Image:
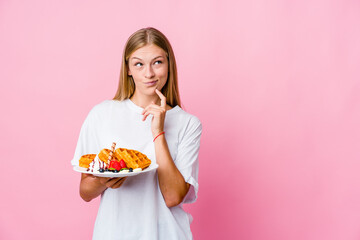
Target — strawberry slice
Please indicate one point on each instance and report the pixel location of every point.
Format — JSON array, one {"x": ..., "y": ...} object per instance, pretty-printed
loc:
[
  {"x": 122, "y": 164},
  {"x": 114, "y": 165}
]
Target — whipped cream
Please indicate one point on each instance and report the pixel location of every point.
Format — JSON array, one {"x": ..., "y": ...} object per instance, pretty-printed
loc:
[{"x": 95, "y": 165}]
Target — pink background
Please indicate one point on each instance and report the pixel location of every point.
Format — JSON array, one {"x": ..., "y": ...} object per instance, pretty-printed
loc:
[{"x": 275, "y": 83}]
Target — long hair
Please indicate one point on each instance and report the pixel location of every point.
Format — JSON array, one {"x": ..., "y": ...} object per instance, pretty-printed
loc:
[{"x": 140, "y": 39}]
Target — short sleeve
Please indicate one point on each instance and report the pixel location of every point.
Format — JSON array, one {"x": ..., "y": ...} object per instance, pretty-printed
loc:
[
  {"x": 187, "y": 157},
  {"x": 87, "y": 142}
]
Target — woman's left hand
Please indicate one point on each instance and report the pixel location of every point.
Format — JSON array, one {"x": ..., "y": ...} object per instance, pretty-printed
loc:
[{"x": 158, "y": 112}]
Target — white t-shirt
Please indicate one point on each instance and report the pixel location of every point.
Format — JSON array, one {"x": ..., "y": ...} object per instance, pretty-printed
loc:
[{"x": 137, "y": 209}]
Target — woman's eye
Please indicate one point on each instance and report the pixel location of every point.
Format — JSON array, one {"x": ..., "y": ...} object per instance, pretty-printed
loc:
[
  {"x": 138, "y": 64},
  {"x": 158, "y": 62}
]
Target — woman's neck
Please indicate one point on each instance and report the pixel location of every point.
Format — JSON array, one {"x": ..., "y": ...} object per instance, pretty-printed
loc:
[{"x": 144, "y": 101}]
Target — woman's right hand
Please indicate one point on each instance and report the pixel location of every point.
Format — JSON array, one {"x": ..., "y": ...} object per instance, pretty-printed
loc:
[
  {"x": 91, "y": 186},
  {"x": 112, "y": 182}
]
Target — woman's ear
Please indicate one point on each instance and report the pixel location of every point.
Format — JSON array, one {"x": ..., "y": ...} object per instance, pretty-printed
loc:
[{"x": 128, "y": 72}]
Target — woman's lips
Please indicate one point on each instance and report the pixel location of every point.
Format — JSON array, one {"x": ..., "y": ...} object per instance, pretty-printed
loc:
[{"x": 152, "y": 83}]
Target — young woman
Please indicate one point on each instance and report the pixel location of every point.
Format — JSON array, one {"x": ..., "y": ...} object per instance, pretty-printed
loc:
[{"x": 144, "y": 115}]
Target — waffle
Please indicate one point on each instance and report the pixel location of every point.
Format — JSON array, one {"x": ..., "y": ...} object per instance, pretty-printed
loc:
[
  {"x": 104, "y": 155},
  {"x": 132, "y": 158},
  {"x": 85, "y": 160}
]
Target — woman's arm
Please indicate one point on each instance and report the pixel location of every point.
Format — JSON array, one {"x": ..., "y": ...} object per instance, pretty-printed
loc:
[
  {"x": 172, "y": 184},
  {"x": 91, "y": 186}
]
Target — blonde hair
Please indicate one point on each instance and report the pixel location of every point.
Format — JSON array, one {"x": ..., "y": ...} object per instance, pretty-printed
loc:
[{"x": 140, "y": 39}]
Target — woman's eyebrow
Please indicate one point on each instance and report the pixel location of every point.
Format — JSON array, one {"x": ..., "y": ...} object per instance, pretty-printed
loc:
[
  {"x": 157, "y": 57},
  {"x": 152, "y": 59},
  {"x": 136, "y": 58}
]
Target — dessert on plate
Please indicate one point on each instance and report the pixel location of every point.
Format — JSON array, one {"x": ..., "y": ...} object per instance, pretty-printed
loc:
[{"x": 111, "y": 160}]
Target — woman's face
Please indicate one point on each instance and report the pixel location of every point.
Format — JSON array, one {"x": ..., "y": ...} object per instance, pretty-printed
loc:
[{"x": 149, "y": 68}]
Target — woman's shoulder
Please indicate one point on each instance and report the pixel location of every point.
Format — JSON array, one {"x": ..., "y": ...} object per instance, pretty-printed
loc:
[
  {"x": 105, "y": 106},
  {"x": 183, "y": 116}
]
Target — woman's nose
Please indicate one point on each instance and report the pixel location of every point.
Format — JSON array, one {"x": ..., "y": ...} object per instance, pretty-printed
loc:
[{"x": 149, "y": 72}]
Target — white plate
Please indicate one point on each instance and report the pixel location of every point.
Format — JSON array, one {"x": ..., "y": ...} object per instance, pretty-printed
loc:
[{"x": 152, "y": 167}]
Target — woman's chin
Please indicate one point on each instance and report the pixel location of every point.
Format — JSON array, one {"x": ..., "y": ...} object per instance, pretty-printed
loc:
[{"x": 150, "y": 92}]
